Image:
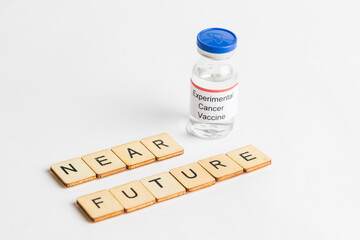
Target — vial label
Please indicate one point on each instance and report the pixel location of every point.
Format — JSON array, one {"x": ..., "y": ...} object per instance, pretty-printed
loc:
[{"x": 213, "y": 106}]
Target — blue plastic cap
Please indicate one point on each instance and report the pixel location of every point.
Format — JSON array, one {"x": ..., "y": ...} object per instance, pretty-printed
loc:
[{"x": 216, "y": 40}]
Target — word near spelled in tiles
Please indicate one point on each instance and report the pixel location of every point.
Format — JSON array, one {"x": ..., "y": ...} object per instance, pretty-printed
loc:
[
  {"x": 163, "y": 186},
  {"x": 117, "y": 159}
]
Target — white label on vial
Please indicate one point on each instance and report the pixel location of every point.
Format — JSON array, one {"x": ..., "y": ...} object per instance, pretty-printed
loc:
[{"x": 213, "y": 106}]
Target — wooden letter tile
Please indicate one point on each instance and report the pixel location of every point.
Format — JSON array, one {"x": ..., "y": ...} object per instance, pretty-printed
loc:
[
  {"x": 100, "y": 205},
  {"x": 193, "y": 177},
  {"x": 73, "y": 172},
  {"x": 250, "y": 158},
  {"x": 134, "y": 154},
  {"x": 221, "y": 167},
  {"x": 133, "y": 196},
  {"x": 162, "y": 146},
  {"x": 104, "y": 163},
  {"x": 163, "y": 186}
]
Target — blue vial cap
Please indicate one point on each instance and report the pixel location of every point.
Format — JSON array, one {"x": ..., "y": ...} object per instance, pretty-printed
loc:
[{"x": 216, "y": 40}]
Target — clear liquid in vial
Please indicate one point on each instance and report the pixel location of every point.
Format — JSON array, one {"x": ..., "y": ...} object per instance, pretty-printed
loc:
[{"x": 216, "y": 75}]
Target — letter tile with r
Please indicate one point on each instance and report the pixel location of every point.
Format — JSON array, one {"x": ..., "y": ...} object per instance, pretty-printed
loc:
[
  {"x": 163, "y": 146},
  {"x": 221, "y": 167}
]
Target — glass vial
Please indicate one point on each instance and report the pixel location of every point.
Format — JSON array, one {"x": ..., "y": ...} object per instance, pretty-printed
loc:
[{"x": 213, "y": 85}]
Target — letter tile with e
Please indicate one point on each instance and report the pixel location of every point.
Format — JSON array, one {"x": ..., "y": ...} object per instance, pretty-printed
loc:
[
  {"x": 104, "y": 163},
  {"x": 250, "y": 158}
]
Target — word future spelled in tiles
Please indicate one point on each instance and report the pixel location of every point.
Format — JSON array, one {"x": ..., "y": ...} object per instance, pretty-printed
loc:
[
  {"x": 163, "y": 186},
  {"x": 117, "y": 159}
]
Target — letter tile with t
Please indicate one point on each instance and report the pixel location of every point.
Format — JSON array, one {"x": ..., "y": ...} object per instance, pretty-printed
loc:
[
  {"x": 133, "y": 196},
  {"x": 100, "y": 205},
  {"x": 134, "y": 154},
  {"x": 73, "y": 172},
  {"x": 104, "y": 163},
  {"x": 163, "y": 146},
  {"x": 163, "y": 186},
  {"x": 221, "y": 167},
  {"x": 193, "y": 177},
  {"x": 250, "y": 158}
]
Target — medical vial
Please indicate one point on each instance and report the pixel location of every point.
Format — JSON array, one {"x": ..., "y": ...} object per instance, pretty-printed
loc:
[{"x": 213, "y": 85}]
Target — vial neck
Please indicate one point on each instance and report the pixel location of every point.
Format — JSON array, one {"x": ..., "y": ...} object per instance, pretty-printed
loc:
[{"x": 214, "y": 56}]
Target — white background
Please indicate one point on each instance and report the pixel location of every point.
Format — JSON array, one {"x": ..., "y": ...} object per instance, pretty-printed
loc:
[{"x": 80, "y": 76}]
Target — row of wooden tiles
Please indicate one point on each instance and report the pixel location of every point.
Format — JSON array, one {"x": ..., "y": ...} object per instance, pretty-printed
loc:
[
  {"x": 160, "y": 187},
  {"x": 117, "y": 159}
]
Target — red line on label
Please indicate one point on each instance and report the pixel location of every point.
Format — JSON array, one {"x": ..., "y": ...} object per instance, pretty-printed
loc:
[{"x": 213, "y": 91}]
